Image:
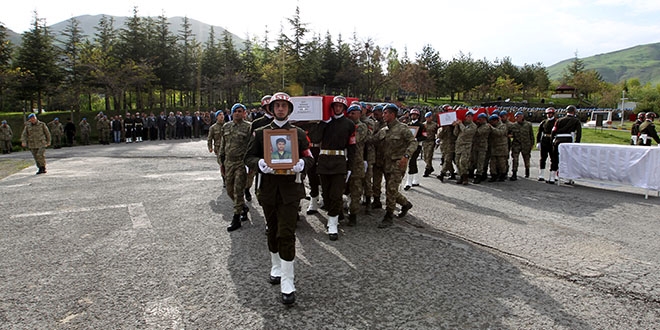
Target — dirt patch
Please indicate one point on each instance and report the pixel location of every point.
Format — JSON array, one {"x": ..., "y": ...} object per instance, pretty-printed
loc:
[{"x": 11, "y": 166}]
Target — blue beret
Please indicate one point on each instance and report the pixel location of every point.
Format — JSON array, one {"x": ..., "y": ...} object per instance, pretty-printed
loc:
[
  {"x": 482, "y": 115},
  {"x": 503, "y": 113},
  {"x": 218, "y": 113},
  {"x": 84, "y": 118},
  {"x": 236, "y": 106},
  {"x": 428, "y": 114},
  {"x": 4, "y": 121},
  {"x": 353, "y": 107},
  {"x": 30, "y": 116},
  {"x": 519, "y": 113},
  {"x": 493, "y": 117}
]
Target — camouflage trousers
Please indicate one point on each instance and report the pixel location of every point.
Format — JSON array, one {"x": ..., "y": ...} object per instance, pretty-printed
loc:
[
  {"x": 498, "y": 165},
  {"x": 57, "y": 140},
  {"x": 515, "y": 154},
  {"x": 39, "y": 155},
  {"x": 463, "y": 161},
  {"x": 448, "y": 162},
  {"x": 428, "y": 148},
  {"x": 478, "y": 161},
  {"x": 236, "y": 175},
  {"x": 377, "y": 182},
  {"x": 355, "y": 187},
  {"x": 393, "y": 194},
  {"x": 5, "y": 145},
  {"x": 367, "y": 181}
]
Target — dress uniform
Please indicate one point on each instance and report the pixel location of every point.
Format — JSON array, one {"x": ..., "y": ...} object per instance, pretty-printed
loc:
[
  {"x": 647, "y": 131},
  {"x": 544, "y": 140},
  {"x": 262, "y": 121},
  {"x": 634, "y": 131},
  {"x": 420, "y": 136},
  {"x": 567, "y": 130},
  {"x": 279, "y": 195}
]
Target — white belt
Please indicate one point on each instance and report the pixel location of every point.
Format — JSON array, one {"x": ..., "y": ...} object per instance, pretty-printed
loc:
[
  {"x": 331, "y": 152},
  {"x": 564, "y": 135}
]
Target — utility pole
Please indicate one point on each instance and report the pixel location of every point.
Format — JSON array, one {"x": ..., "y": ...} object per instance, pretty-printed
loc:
[{"x": 623, "y": 102}]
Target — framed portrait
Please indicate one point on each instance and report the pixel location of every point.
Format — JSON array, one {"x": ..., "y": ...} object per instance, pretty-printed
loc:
[
  {"x": 281, "y": 148},
  {"x": 414, "y": 130}
]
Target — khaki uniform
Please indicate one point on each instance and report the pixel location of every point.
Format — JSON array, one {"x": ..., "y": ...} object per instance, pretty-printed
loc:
[
  {"x": 393, "y": 142},
  {"x": 522, "y": 143},
  {"x": 370, "y": 157},
  {"x": 235, "y": 136},
  {"x": 464, "y": 136},
  {"x": 480, "y": 149},
  {"x": 357, "y": 168},
  {"x": 428, "y": 145},
  {"x": 377, "y": 178},
  {"x": 85, "y": 130},
  {"x": 6, "y": 135},
  {"x": 56, "y": 132},
  {"x": 214, "y": 140},
  {"x": 36, "y": 137},
  {"x": 447, "y": 148},
  {"x": 499, "y": 150}
]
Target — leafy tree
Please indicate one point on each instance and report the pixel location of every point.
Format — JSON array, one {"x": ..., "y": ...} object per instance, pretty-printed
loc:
[
  {"x": 73, "y": 74},
  {"x": 165, "y": 59}
]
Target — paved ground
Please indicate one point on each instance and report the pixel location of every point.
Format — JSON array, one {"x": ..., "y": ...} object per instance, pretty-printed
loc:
[{"x": 133, "y": 236}]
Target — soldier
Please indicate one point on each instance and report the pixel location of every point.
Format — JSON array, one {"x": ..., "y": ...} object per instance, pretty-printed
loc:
[
  {"x": 447, "y": 141},
  {"x": 544, "y": 140},
  {"x": 6, "y": 135},
  {"x": 647, "y": 131},
  {"x": 36, "y": 137},
  {"x": 337, "y": 147},
  {"x": 359, "y": 165},
  {"x": 235, "y": 136},
  {"x": 464, "y": 132},
  {"x": 479, "y": 149},
  {"x": 151, "y": 127},
  {"x": 70, "y": 132},
  {"x": 522, "y": 142},
  {"x": 567, "y": 130},
  {"x": 395, "y": 144},
  {"x": 129, "y": 127},
  {"x": 369, "y": 155},
  {"x": 412, "y": 179},
  {"x": 85, "y": 130},
  {"x": 56, "y": 131},
  {"x": 634, "y": 131},
  {"x": 504, "y": 119},
  {"x": 214, "y": 141},
  {"x": 428, "y": 145},
  {"x": 99, "y": 127},
  {"x": 262, "y": 121},
  {"x": 104, "y": 123},
  {"x": 279, "y": 195},
  {"x": 138, "y": 127},
  {"x": 499, "y": 149},
  {"x": 377, "y": 178}
]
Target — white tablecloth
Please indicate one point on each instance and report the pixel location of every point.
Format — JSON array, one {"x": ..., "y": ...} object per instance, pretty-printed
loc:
[{"x": 638, "y": 166}]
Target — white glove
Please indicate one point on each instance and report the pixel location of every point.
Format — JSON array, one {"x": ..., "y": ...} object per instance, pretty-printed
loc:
[
  {"x": 366, "y": 166},
  {"x": 264, "y": 167},
  {"x": 299, "y": 167},
  {"x": 538, "y": 146},
  {"x": 437, "y": 141},
  {"x": 247, "y": 169}
]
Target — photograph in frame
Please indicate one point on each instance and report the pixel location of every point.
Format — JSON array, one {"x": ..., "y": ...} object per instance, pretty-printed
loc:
[
  {"x": 281, "y": 148},
  {"x": 413, "y": 130}
]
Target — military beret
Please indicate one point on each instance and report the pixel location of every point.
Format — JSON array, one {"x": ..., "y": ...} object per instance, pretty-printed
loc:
[
  {"x": 428, "y": 114},
  {"x": 493, "y": 117},
  {"x": 482, "y": 115},
  {"x": 503, "y": 113},
  {"x": 30, "y": 116},
  {"x": 519, "y": 113}
]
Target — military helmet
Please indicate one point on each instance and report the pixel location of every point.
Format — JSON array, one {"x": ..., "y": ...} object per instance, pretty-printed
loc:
[
  {"x": 280, "y": 96},
  {"x": 265, "y": 100},
  {"x": 339, "y": 99},
  {"x": 550, "y": 110},
  {"x": 650, "y": 115},
  {"x": 415, "y": 112},
  {"x": 641, "y": 115},
  {"x": 571, "y": 108}
]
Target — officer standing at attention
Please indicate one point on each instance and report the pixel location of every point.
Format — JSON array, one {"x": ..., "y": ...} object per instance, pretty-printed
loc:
[
  {"x": 279, "y": 195},
  {"x": 359, "y": 165},
  {"x": 464, "y": 132},
  {"x": 428, "y": 145},
  {"x": 413, "y": 180},
  {"x": 522, "y": 142},
  {"x": 647, "y": 131},
  {"x": 544, "y": 140},
  {"x": 395, "y": 145},
  {"x": 129, "y": 127},
  {"x": 36, "y": 137},
  {"x": 634, "y": 131},
  {"x": 6, "y": 135},
  {"x": 567, "y": 130},
  {"x": 235, "y": 136},
  {"x": 214, "y": 141},
  {"x": 85, "y": 129},
  {"x": 335, "y": 158}
]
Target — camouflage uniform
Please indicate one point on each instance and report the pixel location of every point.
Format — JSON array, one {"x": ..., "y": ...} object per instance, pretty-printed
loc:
[
  {"x": 464, "y": 137},
  {"x": 370, "y": 157},
  {"x": 36, "y": 137},
  {"x": 56, "y": 132},
  {"x": 394, "y": 141},
  {"x": 214, "y": 141},
  {"x": 522, "y": 142},
  {"x": 479, "y": 150},
  {"x": 6, "y": 135},
  {"x": 235, "y": 137},
  {"x": 104, "y": 125},
  {"x": 499, "y": 151},
  {"x": 448, "y": 149},
  {"x": 428, "y": 146},
  {"x": 356, "y": 181},
  {"x": 85, "y": 129},
  {"x": 377, "y": 170}
]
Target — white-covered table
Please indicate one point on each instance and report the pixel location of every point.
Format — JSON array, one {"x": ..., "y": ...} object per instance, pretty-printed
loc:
[{"x": 638, "y": 166}]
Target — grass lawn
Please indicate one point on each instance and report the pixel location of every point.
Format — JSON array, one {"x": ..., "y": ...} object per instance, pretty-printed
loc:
[
  {"x": 606, "y": 136},
  {"x": 11, "y": 166}
]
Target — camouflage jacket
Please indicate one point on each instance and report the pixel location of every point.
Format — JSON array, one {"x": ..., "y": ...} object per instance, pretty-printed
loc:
[
  {"x": 235, "y": 138},
  {"x": 394, "y": 141},
  {"x": 362, "y": 135},
  {"x": 499, "y": 141},
  {"x": 215, "y": 137},
  {"x": 35, "y": 135},
  {"x": 464, "y": 137},
  {"x": 523, "y": 136},
  {"x": 5, "y": 133}
]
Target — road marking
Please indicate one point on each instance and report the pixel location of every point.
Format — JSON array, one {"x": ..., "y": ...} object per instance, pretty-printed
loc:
[{"x": 136, "y": 211}]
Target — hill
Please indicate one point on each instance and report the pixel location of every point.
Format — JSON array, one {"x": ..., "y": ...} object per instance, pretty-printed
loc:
[
  {"x": 88, "y": 25},
  {"x": 642, "y": 62}
]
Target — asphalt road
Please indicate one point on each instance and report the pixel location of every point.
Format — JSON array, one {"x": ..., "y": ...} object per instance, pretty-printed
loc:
[{"x": 133, "y": 236}]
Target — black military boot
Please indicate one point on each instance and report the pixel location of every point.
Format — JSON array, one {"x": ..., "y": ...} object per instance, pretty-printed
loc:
[
  {"x": 460, "y": 180},
  {"x": 441, "y": 177},
  {"x": 244, "y": 213},
  {"x": 427, "y": 172},
  {"x": 514, "y": 176},
  {"x": 405, "y": 209},
  {"x": 248, "y": 196},
  {"x": 452, "y": 176},
  {"x": 376, "y": 204},
  {"x": 352, "y": 220},
  {"x": 388, "y": 220},
  {"x": 527, "y": 173},
  {"x": 502, "y": 177},
  {"x": 465, "y": 179},
  {"x": 493, "y": 177},
  {"x": 477, "y": 179},
  {"x": 235, "y": 223},
  {"x": 42, "y": 170}
]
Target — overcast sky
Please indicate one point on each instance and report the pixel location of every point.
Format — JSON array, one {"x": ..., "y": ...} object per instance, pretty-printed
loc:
[{"x": 527, "y": 31}]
